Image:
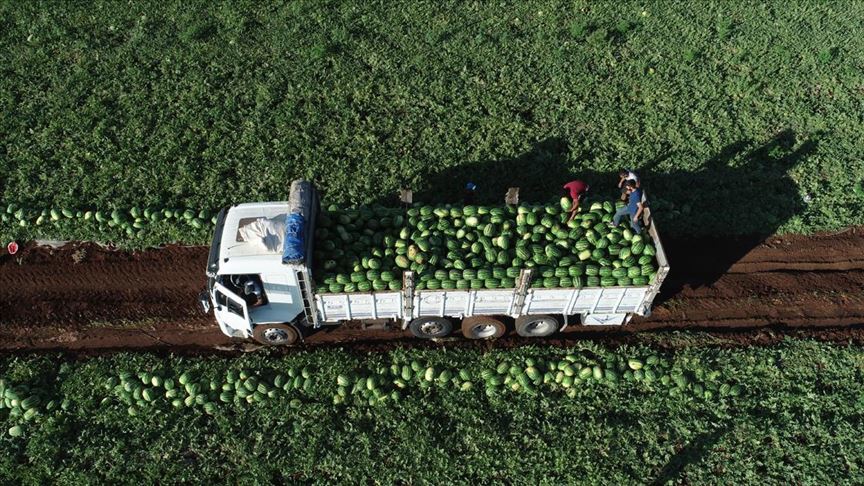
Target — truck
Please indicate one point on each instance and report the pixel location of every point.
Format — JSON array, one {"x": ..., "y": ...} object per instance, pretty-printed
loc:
[{"x": 264, "y": 288}]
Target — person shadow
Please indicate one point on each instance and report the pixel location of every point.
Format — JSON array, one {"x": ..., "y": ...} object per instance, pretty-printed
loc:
[{"x": 708, "y": 218}]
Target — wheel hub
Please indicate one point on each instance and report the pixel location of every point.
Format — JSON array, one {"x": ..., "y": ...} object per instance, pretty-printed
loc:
[
  {"x": 538, "y": 327},
  {"x": 276, "y": 336},
  {"x": 483, "y": 330},
  {"x": 430, "y": 328}
]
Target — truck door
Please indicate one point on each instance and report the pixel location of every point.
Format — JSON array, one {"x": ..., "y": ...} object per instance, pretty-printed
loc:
[{"x": 231, "y": 309}]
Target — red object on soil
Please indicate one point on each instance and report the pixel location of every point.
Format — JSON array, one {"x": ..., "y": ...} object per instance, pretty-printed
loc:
[
  {"x": 12, "y": 248},
  {"x": 85, "y": 298}
]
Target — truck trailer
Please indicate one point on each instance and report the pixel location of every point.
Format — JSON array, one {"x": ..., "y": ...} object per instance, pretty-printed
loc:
[{"x": 264, "y": 287}]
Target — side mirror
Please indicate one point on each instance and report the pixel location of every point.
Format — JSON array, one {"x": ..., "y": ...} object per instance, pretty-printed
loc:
[{"x": 204, "y": 302}]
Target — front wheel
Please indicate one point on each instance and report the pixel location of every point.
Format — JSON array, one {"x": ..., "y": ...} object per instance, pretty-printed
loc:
[
  {"x": 276, "y": 334},
  {"x": 536, "y": 326},
  {"x": 430, "y": 327}
]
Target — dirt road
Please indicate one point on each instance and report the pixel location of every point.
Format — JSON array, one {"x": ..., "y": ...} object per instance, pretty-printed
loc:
[{"x": 83, "y": 297}]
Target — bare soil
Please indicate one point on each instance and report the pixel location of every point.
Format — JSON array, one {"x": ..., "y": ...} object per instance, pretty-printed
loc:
[{"x": 83, "y": 297}]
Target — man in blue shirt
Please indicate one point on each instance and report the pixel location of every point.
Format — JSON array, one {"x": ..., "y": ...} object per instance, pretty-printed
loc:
[{"x": 633, "y": 209}]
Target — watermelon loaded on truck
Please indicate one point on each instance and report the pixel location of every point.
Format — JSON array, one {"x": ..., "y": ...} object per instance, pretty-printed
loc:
[{"x": 279, "y": 269}]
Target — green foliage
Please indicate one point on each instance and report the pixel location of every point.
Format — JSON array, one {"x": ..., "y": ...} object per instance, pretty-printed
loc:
[
  {"x": 797, "y": 416},
  {"x": 187, "y": 104}
]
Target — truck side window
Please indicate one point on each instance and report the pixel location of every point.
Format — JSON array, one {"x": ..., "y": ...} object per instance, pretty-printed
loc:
[{"x": 233, "y": 307}]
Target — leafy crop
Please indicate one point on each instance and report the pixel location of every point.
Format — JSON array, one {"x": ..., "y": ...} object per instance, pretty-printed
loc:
[
  {"x": 186, "y": 104},
  {"x": 794, "y": 414}
]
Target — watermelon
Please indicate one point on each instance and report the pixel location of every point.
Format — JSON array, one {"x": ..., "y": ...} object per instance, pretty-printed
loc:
[{"x": 364, "y": 249}]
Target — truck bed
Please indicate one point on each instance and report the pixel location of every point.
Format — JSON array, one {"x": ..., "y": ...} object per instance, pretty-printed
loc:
[{"x": 463, "y": 303}]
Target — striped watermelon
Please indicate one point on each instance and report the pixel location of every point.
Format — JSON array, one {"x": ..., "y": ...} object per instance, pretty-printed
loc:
[{"x": 553, "y": 251}]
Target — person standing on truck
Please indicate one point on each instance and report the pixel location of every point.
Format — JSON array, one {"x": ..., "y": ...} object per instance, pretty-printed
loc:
[
  {"x": 633, "y": 209},
  {"x": 628, "y": 175},
  {"x": 576, "y": 190},
  {"x": 625, "y": 175}
]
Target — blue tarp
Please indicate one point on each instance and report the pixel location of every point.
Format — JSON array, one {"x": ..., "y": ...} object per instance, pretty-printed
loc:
[{"x": 294, "y": 246}]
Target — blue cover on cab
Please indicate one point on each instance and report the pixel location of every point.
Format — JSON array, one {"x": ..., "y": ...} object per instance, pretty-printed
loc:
[{"x": 294, "y": 247}]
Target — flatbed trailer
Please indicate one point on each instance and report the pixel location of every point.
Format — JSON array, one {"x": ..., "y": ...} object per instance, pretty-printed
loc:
[{"x": 286, "y": 305}]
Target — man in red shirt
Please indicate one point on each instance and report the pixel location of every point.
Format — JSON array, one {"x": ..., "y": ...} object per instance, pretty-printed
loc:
[{"x": 577, "y": 190}]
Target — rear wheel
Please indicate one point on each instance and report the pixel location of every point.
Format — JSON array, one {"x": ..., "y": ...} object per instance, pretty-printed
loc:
[
  {"x": 536, "y": 326},
  {"x": 430, "y": 327},
  {"x": 276, "y": 334},
  {"x": 482, "y": 327}
]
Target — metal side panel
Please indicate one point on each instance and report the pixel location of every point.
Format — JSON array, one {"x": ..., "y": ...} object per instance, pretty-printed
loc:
[
  {"x": 548, "y": 301},
  {"x": 609, "y": 300},
  {"x": 631, "y": 300},
  {"x": 586, "y": 300},
  {"x": 346, "y": 307},
  {"x": 644, "y": 308},
  {"x": 460, "y": 303},
  {"x": 441, "y": 302},
  {"x": 493, "y": 302}
]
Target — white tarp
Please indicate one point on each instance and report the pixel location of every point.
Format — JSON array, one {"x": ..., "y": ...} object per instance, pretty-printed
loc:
[{"x": 264, "y": 234}]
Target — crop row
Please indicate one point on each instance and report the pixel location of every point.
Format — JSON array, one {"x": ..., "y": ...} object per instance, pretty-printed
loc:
[
  {"x": 114, "y": 225},
  {"x": 144, "y": 391},
  {"x": 569, "y": 414}
]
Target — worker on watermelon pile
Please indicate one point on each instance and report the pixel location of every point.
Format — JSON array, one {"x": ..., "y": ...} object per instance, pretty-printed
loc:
[
  {"x": 625, "y": 175},
  {"x": 628, "y": 175},
  {"x": 576, "y": 190},
  {"x": 633, "y": 209}
]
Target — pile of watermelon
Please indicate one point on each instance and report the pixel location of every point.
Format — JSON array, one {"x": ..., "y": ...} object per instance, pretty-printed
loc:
[
  {"x": 144, "y": 391},
  {"x": 134, "y": 221},
  {"x": 478, "y": 247},
  {"x": 533, "y": 376}
]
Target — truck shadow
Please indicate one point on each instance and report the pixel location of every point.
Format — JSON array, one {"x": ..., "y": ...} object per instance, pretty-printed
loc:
[{"x": 745, "y": 190}]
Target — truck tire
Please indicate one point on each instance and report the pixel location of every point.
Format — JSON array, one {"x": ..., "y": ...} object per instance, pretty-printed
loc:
[
  {"x": 536, "y": 326},
  {"x": 276, "y": 334},
  {"x": 430, "y": 327},
  {"x": 482, "y": 327}
]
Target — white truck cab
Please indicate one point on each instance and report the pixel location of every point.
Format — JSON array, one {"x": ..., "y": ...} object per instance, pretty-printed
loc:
[{"x": 254, "y": 292}]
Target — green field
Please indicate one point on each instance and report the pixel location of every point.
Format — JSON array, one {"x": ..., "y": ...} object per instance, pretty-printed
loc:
[
  {"x": 797, "y": 419},
  {"x": 744, "y": 118}
]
